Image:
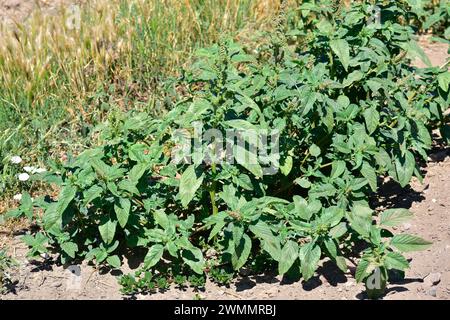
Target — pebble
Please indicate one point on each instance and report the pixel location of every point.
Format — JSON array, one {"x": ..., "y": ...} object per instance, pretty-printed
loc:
[
  {"x": 433, "y": 200},
  {"x": 406, "y": 226},
  {"x": 432, "y": 279},
  {"x": 432, "y": 291}
]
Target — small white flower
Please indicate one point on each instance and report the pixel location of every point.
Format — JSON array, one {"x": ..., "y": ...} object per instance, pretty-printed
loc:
[
  {"x": 16, "y": 159},
  {"x": 18, "y": 197},
  {"x": 40, "y": 170},
  {"x": 24, "y": 176},
  {"x": 29, "y": 169}
]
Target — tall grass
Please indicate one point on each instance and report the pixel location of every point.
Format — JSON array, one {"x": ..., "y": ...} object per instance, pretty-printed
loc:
[{"x": 58, "y": 82}]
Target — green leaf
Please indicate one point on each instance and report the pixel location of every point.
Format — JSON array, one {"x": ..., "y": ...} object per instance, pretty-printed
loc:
[
  {"x": 341, "y": 48},
  {"x": 393, "y": 217},
  {"x": 338, "y": 230},
  {"x": 288, "y": 255},
  {"x": 189, "y": 184},
  {"x": 414, "y": 50},
  {"x": 444, "y": 81},
  {"x": 114, "y": 261},
  {"x": 407, "y": 243},
  {"x": 26, "y": 205},
  {"x": 361, "y": 270},
  {"x": 248, "y": 160},
  {"x": 360, "y": 219},
  {"x": 309, "y": 259},
  {"x": 122, "y": 210},
  {"x": 353, "y": 77},
  {"x": 369, "y": 173},
  {"x": 70, "y": 248},
  {"x": 314, "y": 150},
  {"x": 269, "y": 242},
  {"x": 337, "y": 168},
  {"x": 153, "y": 256},
  {"x": 91, "y": 194},
  {"x": 162, "y": 219},
  {"x": 395, "y": 260},
  {"x": 287, "y": 166},
  {"x": 108, "y": 230},
  {"x": 241, "y": 252},
  {"x": 193, "y": 257},
  {"x": 241, "y": 124},
  {"x": 372, "y": 119},
  {"x": 301, "y": 208},
  {"x": 65, "y": 197},
  {"x": 404, "y": 167}
]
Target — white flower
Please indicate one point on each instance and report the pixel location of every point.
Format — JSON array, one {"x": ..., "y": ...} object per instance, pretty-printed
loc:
[
  {"x": 24, "y": 176},
  {"x": 40, "y": 170},
  {"x": 16, "y": 159},
  {"x": 29, "y": 169},
  {"x": 18, "y": 197}
]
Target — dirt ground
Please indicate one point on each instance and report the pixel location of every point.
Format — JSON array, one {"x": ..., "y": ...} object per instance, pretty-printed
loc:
[
  {"x": 428, "y": 277},
  {"x": 16, "y": 11}
]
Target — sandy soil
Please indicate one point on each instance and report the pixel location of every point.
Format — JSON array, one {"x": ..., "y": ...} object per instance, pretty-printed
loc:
[
  {"x": 14, "y": 11},
  {"x": 428, "y": 277}
]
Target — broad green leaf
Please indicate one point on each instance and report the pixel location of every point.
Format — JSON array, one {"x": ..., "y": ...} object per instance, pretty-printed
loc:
[
  {"x": 372, "y": 119},
  {"x": 314, "y": 150},
  {"x": 270, "y": 243},
  {"x": 360, "y": 219},
  {"x": 309, "y": 259},
  {"x": 241, "y": 125},
  {"x": 338, "y": 230},
  {"x": 162, "y": 219},
  {"x": 337, "y": 169},
  {"x": 154, "y": 255},
  {"x": 288, "y": 255},
  {"x": 248, "y": 160},
  {"x": 301, "y": 208},
  {"x": 193, "y": 257},
  {"x": 114, "y": 261},
  {"x": 405, "y": 168},
  {"x": 395, "y": 260},
  {"x": 65, "y": 198},
  {"x": 407, "y": 242},
  {"x": 122, "y": 209},
  {"x": 70, "y": 248},
  {"x": 91, "y": 194},
  {"x": 393, "y": 217},
  {"x": 287, "y": 166},
  {"x": 353, "y": 77},
  {"x": 241, "y": 252},
  {"x": 361, "y": 270},
  {"x": 414, "y": 50},
  {"x": 26, "y": 205},
  {"x": 444, "y": 80},
  {"x": 341, "y": 48},
  {"x": 107, "y": 230},
  {"x": 189, "y": 184},
  {"x": 369, "y": 173}
]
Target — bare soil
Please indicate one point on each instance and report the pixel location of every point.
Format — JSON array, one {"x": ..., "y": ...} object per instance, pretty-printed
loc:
[{"x": 428, "y": 201}]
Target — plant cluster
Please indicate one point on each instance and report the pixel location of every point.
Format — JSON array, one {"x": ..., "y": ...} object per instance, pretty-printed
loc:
[
  {"x": 6, "y": 264},
  {"x": 349, "y": 110}
]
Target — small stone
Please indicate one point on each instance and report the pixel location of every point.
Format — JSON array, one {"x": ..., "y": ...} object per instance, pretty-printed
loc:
[
  {"x": 433, "y": 200},
  {"x": 432, "y": 291},
  {"x": 406, "y": 226},
  {"x": 432, "y": 279}
]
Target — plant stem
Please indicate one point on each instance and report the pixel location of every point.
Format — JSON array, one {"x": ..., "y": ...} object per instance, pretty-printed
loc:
[{"x": 212, "y": 192}]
